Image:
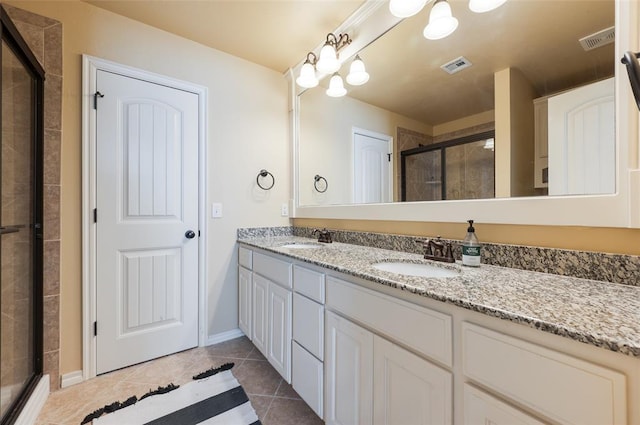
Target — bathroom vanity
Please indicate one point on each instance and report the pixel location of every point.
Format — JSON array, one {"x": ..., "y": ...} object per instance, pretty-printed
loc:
[{"x": 485, "y": 345}]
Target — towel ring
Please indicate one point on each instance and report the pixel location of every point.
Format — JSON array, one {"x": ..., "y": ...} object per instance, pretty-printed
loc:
[
  {"x": 316, "y": 179},
  {"x": 264, "y": 173}
]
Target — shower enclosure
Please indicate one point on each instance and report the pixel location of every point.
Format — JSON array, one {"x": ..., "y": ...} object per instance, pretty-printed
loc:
[{"x": 21, "y": 119}]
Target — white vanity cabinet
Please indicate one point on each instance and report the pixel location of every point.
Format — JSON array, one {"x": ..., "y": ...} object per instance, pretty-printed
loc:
[
  {"x": 370, "y": 378},
  {"x": 245, "y": 291},
  {"x": 363, "y": 353},
  {"x": 265, "y": 306}
]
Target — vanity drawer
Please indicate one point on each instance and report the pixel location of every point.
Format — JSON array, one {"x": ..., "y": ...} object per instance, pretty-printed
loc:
[
  {"x": 276, "y": 270},
  {"x": 427, "y": 331},
  {"x": 308, "y": 324},
  {"x": 562, "y": 388},
  {"x": 481, "y": 408},
  {"x": 245, "y": 257},
  {"x": 309, "y": 283},
  {"x": 307, "y": 377}
]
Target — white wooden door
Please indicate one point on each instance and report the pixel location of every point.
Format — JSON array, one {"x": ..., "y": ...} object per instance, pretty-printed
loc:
[
  {"x": 260, "y": 320},
  {"x": 147, "y": 199},
  {"x": 349, "y": 373},
  {"x": 371, "y": 168},
  {"x": 408, "y": 389},
  {"x": 279, "y": 339},
  {"x": 582, "y": 140},
  {"x": 244, "y": 300}
]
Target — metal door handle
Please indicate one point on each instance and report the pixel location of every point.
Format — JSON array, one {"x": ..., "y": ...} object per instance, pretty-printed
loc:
[{"x": 190, "y": 234}]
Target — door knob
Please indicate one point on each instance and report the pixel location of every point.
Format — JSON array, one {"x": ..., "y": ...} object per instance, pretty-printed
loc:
[{"x": 190, "y": 234}]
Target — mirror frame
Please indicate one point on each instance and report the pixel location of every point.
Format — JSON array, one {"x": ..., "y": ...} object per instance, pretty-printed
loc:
[{"x": 620, "y": 209}]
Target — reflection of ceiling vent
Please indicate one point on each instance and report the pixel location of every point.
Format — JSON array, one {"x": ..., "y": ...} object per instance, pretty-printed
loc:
[
  {"x": 599, "y": 39},
  {"x": 458, "y": 64}
]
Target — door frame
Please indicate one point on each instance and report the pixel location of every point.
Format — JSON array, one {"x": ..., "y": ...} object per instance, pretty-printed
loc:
[
  {"x": 90, "y": 67},
  {"x": 375, "y": 135}
]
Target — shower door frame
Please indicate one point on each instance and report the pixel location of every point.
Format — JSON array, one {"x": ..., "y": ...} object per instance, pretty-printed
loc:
[
  {"x": 442, "y": 147},
  {"x": 17, "y": 44}
]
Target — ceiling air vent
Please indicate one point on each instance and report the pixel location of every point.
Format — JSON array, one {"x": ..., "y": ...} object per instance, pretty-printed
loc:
[
  {"x": 599, "y": 39},
  {"x": 456, "y": 65}
]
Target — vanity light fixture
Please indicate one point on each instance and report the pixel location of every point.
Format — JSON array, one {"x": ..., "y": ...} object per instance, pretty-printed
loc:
[
  {"x": 336, "y": 86},
  {"x": 441, "y": 21},
  {"x": 481, "y": 6},
  {"x": 357, "y": 73},
  {"x": 327, "y": 62},
  {"x": 307, "y": 78}
]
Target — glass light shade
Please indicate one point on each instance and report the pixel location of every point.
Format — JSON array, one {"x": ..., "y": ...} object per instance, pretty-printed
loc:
[
  {"x": 441, "y": 22},
  {"x": 481, "y": 6},
  {"x": 307, "y": 78},
  {"x": 406, "y": 8},
  {"x": 357, "y": 73},
  {"x": 328, "y": 61},
  {"x": 336, "y": 86}
]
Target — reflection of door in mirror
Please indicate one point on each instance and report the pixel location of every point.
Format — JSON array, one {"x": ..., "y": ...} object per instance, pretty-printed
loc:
[
  {"x": 582, "y": 140},
  {"x": 371, "y": 167},
  {"x": 468, "y": 171}
]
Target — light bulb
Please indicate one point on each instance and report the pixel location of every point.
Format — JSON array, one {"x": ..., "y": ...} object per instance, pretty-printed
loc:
[
  {"x": 336, "y": 86},
  {"x": 328, "y": 61},
  {"x": 307, "y": 78},
  {"x": 481, "y": 6},
  {"x": 406, "y": 8},
  {"x": 441, "y": 22},
  {"x": 357, "y": 73}
]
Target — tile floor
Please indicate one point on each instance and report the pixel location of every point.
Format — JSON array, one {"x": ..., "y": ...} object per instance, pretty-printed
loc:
[{"x": 275, "y": 401}]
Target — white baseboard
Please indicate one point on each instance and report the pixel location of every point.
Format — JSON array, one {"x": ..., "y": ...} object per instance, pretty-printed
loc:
[
  {"x": 224, "y": 336},
  {"x": 71, "y": 378},
  {"x": 35, "y": 403}
]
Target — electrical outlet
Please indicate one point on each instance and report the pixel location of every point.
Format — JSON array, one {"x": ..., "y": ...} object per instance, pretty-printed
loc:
[
  {"x": 216, "y": 210},
  {"x": 284, "y": 210}
]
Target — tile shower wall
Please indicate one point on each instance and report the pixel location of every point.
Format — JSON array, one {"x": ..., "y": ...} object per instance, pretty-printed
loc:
[{"x": 44, "y": 37}]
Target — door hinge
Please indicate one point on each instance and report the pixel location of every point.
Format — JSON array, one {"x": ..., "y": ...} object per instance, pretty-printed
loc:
[
  {"x": 389, "y": 157},
  {"x": 95, "y": 328},
  {"x": 95, "y": 215},
  {"x": 95, "y": 99}
]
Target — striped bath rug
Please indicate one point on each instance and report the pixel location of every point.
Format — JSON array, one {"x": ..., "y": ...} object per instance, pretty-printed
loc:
[{"x": 215, "y": 399}]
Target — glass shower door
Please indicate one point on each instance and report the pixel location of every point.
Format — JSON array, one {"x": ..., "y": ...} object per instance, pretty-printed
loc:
[{"x": 18, "y": 253}]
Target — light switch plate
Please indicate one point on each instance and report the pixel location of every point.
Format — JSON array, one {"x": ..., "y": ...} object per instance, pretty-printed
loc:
[{"x": 216, "y": 210}]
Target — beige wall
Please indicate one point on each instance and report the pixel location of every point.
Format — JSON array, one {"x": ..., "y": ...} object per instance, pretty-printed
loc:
[
  {"x": 248, "y": 131},
  {"x": 326, "y": 141},
  {"x": 514, "y": 134},
  {"x": 463, "y": 123}
]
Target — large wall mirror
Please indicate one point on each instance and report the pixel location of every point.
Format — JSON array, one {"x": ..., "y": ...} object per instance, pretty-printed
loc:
[{"x": 542, "y": 77}]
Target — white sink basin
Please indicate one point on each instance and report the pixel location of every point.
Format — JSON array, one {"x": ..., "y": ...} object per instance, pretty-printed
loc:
[
  {"x": 414, "y": 269},
  {"x": 301, "y": 245}
]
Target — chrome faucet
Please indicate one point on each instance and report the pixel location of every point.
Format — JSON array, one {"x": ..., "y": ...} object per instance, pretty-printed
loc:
[
  {"x": 437, "y": 250},
  {"x": 323, "y": 235}
]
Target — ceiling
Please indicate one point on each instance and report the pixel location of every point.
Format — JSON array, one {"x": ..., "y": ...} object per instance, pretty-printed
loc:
[
  {"x": 538, "y": 37},
  {"x": 274, "y": 33}
]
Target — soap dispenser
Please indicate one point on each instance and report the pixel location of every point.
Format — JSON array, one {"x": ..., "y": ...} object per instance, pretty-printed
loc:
[{"x": 471, "y": 247}]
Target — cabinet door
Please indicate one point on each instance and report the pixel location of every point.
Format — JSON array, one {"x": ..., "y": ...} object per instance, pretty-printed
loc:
[
  {"x": 348, "y": 372},
  {"x": 408, "y": 389},
  {"x": 279, "y": 333},
  {"x": 481, "y": 408},
  {"x": 244, "y": 301},
  {"x": 259, "y": 313}
]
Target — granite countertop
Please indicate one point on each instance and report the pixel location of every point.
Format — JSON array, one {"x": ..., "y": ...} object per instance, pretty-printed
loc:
[{"x": 599, "y": 313}]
